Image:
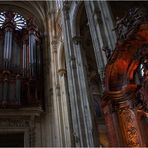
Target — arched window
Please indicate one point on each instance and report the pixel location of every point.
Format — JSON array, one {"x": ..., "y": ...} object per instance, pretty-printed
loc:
[{"x": 20, "y": 60}]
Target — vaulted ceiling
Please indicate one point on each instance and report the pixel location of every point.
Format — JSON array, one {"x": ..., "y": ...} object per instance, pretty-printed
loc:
[{"x": 36, "y": 9}]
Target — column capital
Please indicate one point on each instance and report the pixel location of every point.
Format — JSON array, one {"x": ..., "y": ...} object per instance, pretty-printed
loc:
[{"x": 61, "y": 72}]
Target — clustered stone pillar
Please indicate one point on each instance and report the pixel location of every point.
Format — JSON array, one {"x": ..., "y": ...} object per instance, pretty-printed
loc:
[{"x": 71, "y": 73}]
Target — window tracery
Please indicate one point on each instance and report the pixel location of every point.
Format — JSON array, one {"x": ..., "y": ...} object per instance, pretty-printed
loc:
[{"x": 19, "y": 20}]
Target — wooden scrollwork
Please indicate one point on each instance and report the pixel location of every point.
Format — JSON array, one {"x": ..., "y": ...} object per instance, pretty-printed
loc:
[{"x": 120, "y": 87}]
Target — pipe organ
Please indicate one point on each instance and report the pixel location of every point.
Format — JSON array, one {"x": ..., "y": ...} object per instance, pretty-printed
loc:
[{"x": 20, "y": 58}]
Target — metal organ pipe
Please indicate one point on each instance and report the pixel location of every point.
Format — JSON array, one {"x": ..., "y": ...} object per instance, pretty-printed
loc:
[
  {"x": 30, "y": 55},
  {"x": 18, "y": 87},
  {"x": 10, "y": 46},
  {"x": 5, "y": 91},
  {"x": 7, "y": 47},
  {"x": 24, "y": 57},
  {"x": 38, "y": 58},
  {"x": 32, "y": 52}
]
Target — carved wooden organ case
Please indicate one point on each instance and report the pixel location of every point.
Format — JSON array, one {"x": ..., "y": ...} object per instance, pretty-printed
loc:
[{"x": 20, "y": 59}]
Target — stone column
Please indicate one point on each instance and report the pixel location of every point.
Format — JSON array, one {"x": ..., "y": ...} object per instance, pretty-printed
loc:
[
  {"x": 101, "y": 26},
  {"x": 64, "y": 98},
  {"x": 65, "y": 107},
  {"x": 107, "y": 22},
  {"x": 56, "y": 95},
  {"x": 85, "y": 97},
  {"x": 73, "y": 87},
  {"x": 55, "y": 104}
]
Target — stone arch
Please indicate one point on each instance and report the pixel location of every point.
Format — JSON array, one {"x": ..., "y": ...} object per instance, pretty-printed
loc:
[
  {"x": 32, "y": 9},
  {"x": 76, "y": 18},
  {"x": 81, "y": 35}
]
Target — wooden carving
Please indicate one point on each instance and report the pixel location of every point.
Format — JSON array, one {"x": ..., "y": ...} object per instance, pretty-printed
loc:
[
  {"x": 129, "y": 126},
  {"x": 120, "y": 86}
]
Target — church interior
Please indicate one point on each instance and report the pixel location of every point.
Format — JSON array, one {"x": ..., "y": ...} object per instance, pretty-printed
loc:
[{"x": 73, "y": 73}]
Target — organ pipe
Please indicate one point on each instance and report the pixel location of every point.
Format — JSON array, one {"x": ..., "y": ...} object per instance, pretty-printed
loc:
[
  {"x": 18, "y": 89},
  {"x": 24, "y": 55},
  {"x": 5, "y": 45},
  {"x": 8, "y": 28},
  {"x": 32, "y": 50},
  {"x": 9, "y": 45},
  {"x": 5, "y": 91},
  {"x": 24, "y": 58}
]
